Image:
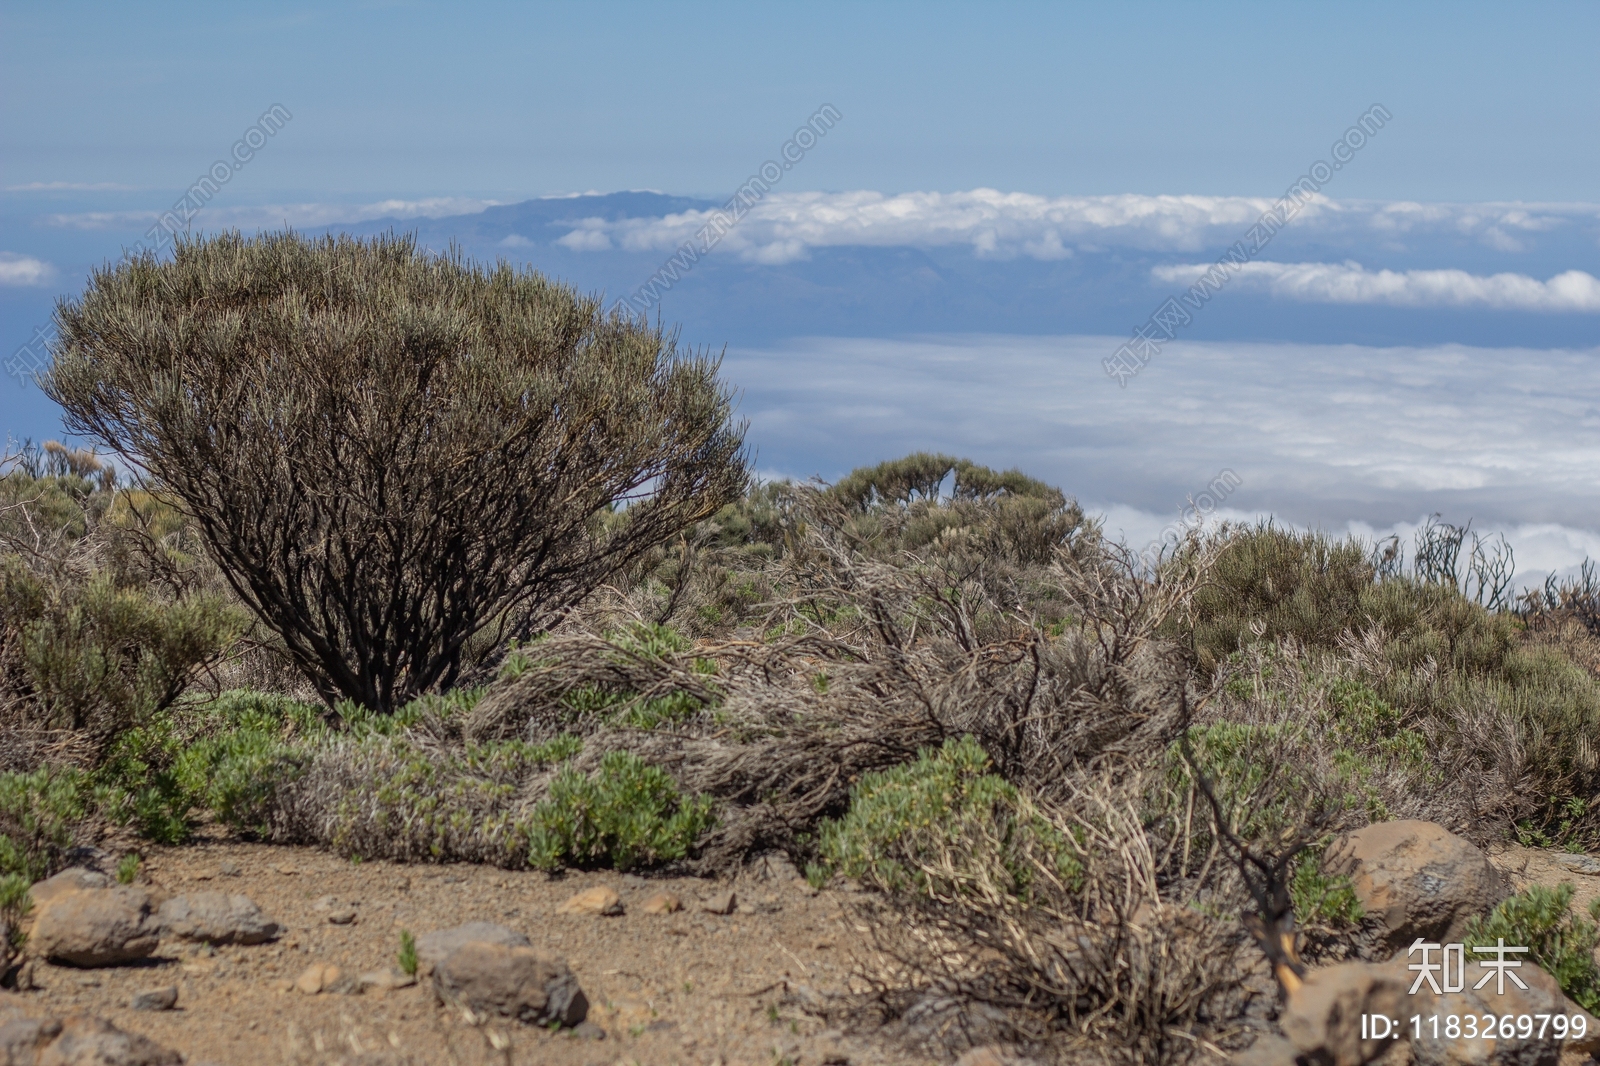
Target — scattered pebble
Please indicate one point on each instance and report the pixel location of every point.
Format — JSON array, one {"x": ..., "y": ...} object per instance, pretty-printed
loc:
[
  {"x": 662, "y": 903},
  {"x": 318, "y": 977},
  {"x": 156, "y": 999},
  {"x": 599, "y": 900},
  {"x": 720, "y": 902}
]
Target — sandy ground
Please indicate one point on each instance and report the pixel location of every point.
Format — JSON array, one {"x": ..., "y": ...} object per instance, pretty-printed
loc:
[{"x": 690, "y": 987}]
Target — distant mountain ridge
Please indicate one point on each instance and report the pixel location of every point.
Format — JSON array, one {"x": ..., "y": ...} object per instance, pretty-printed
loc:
[{"x": 876, "y": 290}]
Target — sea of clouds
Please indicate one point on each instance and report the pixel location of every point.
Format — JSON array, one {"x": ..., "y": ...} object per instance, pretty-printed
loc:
[{"x": 1345, "y": 438}]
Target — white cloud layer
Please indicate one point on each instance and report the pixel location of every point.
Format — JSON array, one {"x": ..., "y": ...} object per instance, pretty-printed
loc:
[
  {"x": 1341, "y": 437},
  {"x": 1351, "y": 283},
  {"x": 786, "y": 225},
  {"x": 269, "y": 215},
  {"x": 24, "y": 270}
]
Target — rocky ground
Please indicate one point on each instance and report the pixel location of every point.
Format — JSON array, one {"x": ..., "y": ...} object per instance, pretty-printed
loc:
[
  {"x": 686, "y": 987},
  {"x": 674, "y": 970}
]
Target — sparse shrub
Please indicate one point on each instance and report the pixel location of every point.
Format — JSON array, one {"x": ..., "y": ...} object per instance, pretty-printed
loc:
[
  {"x": 102, "y": 626},
  {"x": 1269, "y": 583},
  {"x": 903, "y": 820},
  {"x": 475, "y": 426},
  {"x": 128, "y": 868},
  {"x": 628, "y": 813},
  {"x": 1560, "y": 942}
]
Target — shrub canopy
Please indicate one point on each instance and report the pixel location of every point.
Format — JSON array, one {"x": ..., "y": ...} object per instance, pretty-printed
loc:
[{"x": 389, "y": 450}]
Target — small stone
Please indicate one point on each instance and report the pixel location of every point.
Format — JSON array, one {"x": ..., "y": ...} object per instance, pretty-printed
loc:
[
  {"x": 217, "y": 918},
  {"x": 1583, "y": 864},
  {"x": 588, "y": 1031},
  {"x": 343, "y": 915},
  {"x": 599, "y": 900},
  {"x": 720, "y": 903},
  {"x": 381, "y": 981},
  {"x": 325, "y": 903},
  {"x": 662, "y": 903},
  {"x": 318, "y": 977},
  {"x": 432, "y": 948},
  {"x": 229, "y": 868},
  {"x": 156, "y": 999},
  {"x": 510, "y": 982}
]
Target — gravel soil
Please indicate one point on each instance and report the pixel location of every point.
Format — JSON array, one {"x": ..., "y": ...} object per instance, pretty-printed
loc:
[{"x": 689, "y": 987}]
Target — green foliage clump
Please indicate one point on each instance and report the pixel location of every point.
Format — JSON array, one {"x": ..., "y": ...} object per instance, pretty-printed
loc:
[
  {"x": 1322, "y": 898},
  {"x": 914, "y": 818},
  {"x": 15, "y": 903},
  {"x": 128, "y": 868},
  {"x": 39, "y": 812},
  {"x": 627, "y": 814},
  {"x": 617, "y": 705},
  {"x": 897, "y": 506},
  {"x": 1560, "y": 942}
]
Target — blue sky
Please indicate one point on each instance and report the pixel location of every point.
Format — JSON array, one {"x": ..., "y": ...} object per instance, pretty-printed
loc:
[
  {"x": 1008, "y": 190},
  {"x": 520, "y": 99}
]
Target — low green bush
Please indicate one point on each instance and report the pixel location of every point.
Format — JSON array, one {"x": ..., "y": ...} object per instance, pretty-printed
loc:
[
  {"x": 914, "y": 818},
  {"x": 15, "y": 903},
  {"x": 1559, "y": 941},
  {"x": 39, "y": 812},
  {"x": 628, "y": 813}
]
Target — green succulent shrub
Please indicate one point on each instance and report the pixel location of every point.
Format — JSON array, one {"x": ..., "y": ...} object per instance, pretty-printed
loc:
[
  {"x": 1560, "y": 942},
  {"x": 39, "y": 812},
  {"x": 626, "y": 814},
  {"x": 907, "y": 821}
]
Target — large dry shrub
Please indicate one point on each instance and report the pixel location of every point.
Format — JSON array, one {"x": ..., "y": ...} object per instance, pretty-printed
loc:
[{"x": 389, "y": 450}]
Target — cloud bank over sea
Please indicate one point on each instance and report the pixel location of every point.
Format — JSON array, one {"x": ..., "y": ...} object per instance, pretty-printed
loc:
[{"x": 1338, "y": 437}]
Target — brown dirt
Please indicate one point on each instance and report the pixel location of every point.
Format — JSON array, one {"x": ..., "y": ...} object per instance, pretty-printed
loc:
[
  {"x": 1535, "y": 866},
  {"x": 685, "y": 988}
]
